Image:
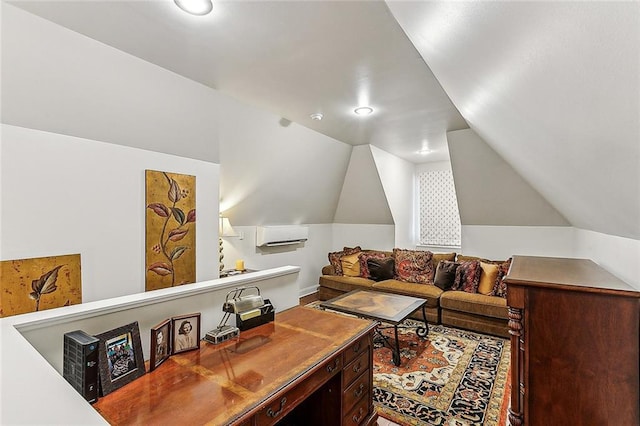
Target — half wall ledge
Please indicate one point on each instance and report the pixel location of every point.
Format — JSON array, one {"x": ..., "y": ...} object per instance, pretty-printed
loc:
[{"x": 31, "y": 344}]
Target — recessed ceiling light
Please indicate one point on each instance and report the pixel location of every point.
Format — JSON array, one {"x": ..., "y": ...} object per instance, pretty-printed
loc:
[
  {"x": 363, "y": 110},
  {"x": 317, "y": 116},
  {"x": 425, "y": 151},
  {"x": 195, "y": 7}
]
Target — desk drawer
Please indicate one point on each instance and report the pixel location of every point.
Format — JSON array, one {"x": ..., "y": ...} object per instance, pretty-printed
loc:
[
  {"x": 282, "y": 404},
  {"x": 355, "y": 368},
  {"x": 356, "y": 348},
  {"x": 358, "y": 389},
  {"x": 358, "y": 413}
]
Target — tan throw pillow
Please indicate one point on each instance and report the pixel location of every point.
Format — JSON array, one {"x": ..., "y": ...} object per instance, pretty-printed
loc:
[
  {"x": 488, "y": 277},
  {"x": 334, "y": 258},
  {"x": 351, "y": 265}
]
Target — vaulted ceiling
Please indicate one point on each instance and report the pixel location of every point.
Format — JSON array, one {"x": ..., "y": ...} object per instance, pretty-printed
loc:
[{"x": 553, "y": 88}]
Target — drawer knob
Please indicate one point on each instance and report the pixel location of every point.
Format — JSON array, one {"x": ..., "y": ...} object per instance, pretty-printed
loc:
[
  {"x": 332, "y": 368},
  {"x": 356, "y": 419},
  {"x": 358, "y": 393},
  {"x": 356, "y": 347},
  {"x": 357, "y": 367},
  {"x": 274, "y": 414}
]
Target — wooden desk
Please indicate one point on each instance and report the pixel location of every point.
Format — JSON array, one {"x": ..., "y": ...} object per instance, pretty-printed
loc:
[{"x": 308, "y": 366}]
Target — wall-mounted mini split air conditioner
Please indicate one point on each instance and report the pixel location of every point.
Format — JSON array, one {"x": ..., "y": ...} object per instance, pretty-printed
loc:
[{"x": 273, "y": 236}]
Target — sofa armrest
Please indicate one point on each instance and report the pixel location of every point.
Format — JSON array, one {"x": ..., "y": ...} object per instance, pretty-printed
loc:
[{"x": 328, "y": 270}]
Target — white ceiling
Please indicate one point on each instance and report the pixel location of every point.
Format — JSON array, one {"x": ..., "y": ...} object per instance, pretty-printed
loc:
[
  {"x": 552, "y": 87},
  {"x": 291, "y": 58}
]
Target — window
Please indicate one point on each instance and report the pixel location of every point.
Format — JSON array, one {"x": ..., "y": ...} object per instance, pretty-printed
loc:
[{"x": 439, "y": 217}]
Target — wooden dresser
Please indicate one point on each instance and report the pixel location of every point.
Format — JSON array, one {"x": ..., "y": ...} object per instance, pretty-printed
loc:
[
  {"x": 575, "y": 347},
  {"x": 307, "y": 367}
]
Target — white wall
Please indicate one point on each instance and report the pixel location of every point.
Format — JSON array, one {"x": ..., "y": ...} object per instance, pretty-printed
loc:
[
  {"x": 380, "y": 237},
  {"x": 398, "y": 180},
  {"x": 311, "y": 255},
  {"x": 66, "y": 195},
  {"x": 57, "y": 80},
  {"x": 501, "y": 242},
  {"x": 275, "y": 172},
  {"x": 618, "y": 255}
]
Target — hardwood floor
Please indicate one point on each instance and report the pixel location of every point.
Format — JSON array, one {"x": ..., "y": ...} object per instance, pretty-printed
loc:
[{"x": 308, "y": 298}]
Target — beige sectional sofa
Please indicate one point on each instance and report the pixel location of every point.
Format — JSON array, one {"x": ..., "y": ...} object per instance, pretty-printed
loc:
[{"x": 473, "y": 311}]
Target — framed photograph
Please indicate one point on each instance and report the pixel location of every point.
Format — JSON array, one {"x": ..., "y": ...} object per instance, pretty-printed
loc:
[
  {"x": 160, "y": 344},
  {"x": 185, "y": 331},
  {"x": 120, "y": 356}
]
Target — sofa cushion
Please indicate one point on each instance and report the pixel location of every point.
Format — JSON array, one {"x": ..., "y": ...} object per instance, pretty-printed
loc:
[
  {"x": 424, "y": 291},
  {"x": 413, "y": 266},
  {"x": 500, "y": 287},
  {"x": 488, "y": 277},
  {"x": 381, "y": 269},
  {"x": 351, "y": 265},
  {"x": 436, "y": 258},
  {"x": 479, "y": 304},
  {"x": 445, "y": 275},
  {"x": 370, "y": 254},
  {"x": 345, "y": 284},
  {"x": 334, "y": 257},
  {"x": 468, "y": 276}
]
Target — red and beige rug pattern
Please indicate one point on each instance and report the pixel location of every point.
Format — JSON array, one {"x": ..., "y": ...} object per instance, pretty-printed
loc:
[{"x": 454, "y": 377}]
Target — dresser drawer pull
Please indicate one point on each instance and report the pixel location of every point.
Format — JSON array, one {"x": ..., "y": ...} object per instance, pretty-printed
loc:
[
  {"x": 358, "y": 393},
  {"x": 274, "y": 414},
  {"x": 356, "y": 419},
  {"x": 357, "y": 367},
  {"x": 336, "y": 364},
  {"x": 356, "y": 347}
]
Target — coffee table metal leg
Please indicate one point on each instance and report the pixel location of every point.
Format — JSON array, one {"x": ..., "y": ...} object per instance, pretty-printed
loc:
[
  {"x": 396, "y": 354},
  {"x": 423, "y": 331}
]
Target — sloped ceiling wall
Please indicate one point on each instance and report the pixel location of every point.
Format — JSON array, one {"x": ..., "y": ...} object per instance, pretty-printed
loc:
[
  {"x": 553, "y": 88},
  {"x": 363, "y": 199},
  {"x": 489, "y": 191}
]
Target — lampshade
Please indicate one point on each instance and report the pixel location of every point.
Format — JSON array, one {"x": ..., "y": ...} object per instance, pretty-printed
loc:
[{"x": 225, "y": 229}]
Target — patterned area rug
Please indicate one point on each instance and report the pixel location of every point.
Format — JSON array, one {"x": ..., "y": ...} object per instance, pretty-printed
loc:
[{"x": 453, "y": 378}]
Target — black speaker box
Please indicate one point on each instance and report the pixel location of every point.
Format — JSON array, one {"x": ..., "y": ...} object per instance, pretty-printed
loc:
[{"x": 80, "y": 363}]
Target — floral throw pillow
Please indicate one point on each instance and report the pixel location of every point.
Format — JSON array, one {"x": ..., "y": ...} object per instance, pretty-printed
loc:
[
  {"x": 468, "y": 276},
  {"x": 413, "y": 266},
  {"x": 500, "y": 287},
  {"x": 334, "y": 258},
  {"x": 364, "y": 257}
]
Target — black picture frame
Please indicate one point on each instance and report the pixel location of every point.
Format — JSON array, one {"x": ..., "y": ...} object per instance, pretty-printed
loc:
[
  {"x": 161, "y": 341},
  {"x": 120, "y": 356},
  {"x": 185, "y": 341}
]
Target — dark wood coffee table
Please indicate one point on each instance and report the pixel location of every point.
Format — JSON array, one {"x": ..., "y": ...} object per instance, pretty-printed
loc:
[{"x": 382, "y": 307}]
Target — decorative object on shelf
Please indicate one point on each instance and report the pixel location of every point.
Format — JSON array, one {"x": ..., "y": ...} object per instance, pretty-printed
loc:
[
  {"x": 239, "y": 265},
  {"x": 185, "y": 331},
  {"x": 170, "y": 229},
  {"x": 31, "y": 285},
  {"x": 160, "y": 344},
  {"x": 250, "y": 309},
  {"x": 120, "y": 357},
  {"x": 224, "y": 230}
]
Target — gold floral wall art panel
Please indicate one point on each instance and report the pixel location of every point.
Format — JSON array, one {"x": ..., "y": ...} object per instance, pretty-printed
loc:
[
  {"x": 170, "y": 229},
  {"x": 31, "y": 285}
]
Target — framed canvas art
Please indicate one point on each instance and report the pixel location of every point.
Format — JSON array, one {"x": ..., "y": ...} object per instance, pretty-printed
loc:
[
  {"x": 31, "y": 285},
  {"x": 170, "y": 229}
]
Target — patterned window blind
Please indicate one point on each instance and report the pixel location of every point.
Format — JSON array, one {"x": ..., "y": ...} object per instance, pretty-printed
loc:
[{"x": 439, "y": 216}]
